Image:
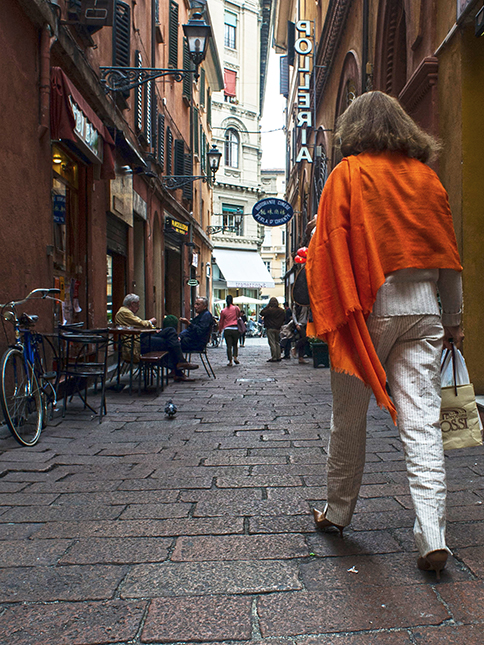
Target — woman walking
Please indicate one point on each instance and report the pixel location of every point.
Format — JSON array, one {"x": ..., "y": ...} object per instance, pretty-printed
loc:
[
  {"x": 228, "y": 324},
  {"x": 383, "y": 249},
  {"x": 273, "y": 320}
]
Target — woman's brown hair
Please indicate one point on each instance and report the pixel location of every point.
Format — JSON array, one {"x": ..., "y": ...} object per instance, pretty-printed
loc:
[{"x": 376, "y": 121}]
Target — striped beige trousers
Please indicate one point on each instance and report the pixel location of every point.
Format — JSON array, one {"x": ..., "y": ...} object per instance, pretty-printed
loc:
[{"x": 409, "y": 348}]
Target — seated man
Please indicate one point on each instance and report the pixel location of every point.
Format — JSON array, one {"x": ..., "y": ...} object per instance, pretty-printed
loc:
[
  {"x": 197, "y": 334},
  {"x": 166, "y": 340}
]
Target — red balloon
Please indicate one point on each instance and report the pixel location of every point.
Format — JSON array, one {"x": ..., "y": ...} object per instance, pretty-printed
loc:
[
  {"x": 303, "y": 251},
  {"x": 299, "y": 260}
]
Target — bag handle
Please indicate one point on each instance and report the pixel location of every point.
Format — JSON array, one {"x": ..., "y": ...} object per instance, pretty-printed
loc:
[{"x": 454, "y": 369}]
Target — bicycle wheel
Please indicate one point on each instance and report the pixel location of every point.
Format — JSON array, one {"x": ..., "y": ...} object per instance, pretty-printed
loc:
[{"x": 21, "y": 398}]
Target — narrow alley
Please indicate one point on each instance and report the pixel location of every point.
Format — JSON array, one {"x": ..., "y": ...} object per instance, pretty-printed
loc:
[{"x": 145, "y": 529}]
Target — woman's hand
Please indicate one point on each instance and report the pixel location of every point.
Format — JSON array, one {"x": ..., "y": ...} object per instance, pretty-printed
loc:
[{"x": 454, "y": 334}]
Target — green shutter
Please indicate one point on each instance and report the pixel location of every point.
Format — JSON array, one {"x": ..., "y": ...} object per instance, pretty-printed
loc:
[
  {"x": 188, "y": 188},
  {"x": 138, "y": 104},
  {"x": 173, "y": 36},
  {"x": 187, "y": 64},
  {"x": 121, "y": 35},
  {"x": 168, "y": 151},
  {"x": 179, "y": 158},
  {"x": 209, "y": 108},
  {"x": 195, "y": 131},
  {"x": 160, "y": 141},
  {"x": 202, "y": 88}
]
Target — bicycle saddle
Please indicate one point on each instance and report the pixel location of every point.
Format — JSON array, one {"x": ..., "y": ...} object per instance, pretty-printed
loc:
[{"x": 28, "y": 320}]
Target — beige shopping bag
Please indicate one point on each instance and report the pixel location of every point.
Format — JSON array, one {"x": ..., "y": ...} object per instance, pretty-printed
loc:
[{"x": 459, "y": 417}]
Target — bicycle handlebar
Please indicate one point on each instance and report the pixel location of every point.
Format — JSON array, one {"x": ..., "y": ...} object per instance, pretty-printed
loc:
[{"x": 44, "y": 292}]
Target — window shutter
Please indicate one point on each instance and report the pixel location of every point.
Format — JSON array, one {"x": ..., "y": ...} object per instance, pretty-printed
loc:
[
  {"x": 148, "y": 116},
  {"x": 283, "y": 76},
  {"x": 138, "y": 104},
  {"x": 230, "y": 77},
  {"x": 195, "y": 131},
  {"x": 173, "y": 36},
  {"x": 291, "y": 41},
  {"x": 160, "y": 141},
  {"x": 179, "y": 159},
  {"x": 209, "y": 108},
  {"x": 188, "y": 188},
  {"x": 187, "y": 64},
  {"x": 203, "y": 152},
  {"x": 202, "y": 87},
  {"x": 121, "y": 35},
  {"x": 169, "y": 145}
]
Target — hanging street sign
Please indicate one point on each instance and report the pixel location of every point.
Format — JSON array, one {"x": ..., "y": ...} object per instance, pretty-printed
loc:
[{"x": 272, "y": 211}]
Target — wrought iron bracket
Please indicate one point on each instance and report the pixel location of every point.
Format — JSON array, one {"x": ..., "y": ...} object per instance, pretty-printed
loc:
[
  {"x": 172, "y": 182},
  {"x": 213, "y": 230},
  {"x": 123, "y": 79}
]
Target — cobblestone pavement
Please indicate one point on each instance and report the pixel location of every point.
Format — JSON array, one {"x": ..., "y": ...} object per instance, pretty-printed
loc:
[{"x": 198, "y": 529}]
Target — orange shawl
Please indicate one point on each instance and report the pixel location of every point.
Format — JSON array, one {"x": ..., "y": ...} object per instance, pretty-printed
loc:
[{"x": 379, "y": 212}]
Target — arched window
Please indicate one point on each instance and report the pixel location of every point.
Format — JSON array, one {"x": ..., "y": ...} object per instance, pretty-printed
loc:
[{"x": 231, "y": 148}]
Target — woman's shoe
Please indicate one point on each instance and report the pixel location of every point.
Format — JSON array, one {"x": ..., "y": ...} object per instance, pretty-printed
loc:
[
  {"x": 433, "y": 561},
  {"x": 236, "y": 361},
  {"x": 322, "y": 523},
  {"x": 229, "y": 364}
]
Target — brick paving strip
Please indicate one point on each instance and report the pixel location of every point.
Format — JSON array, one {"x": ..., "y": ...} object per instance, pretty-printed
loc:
[{"x": 198, "y": 529}]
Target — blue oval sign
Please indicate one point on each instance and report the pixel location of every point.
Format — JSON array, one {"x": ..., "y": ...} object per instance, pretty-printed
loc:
[{"x": 272, "y": 211}]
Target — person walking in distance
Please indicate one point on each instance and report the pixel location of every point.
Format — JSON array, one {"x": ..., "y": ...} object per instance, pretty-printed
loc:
[
  {"x": 273, "y": 316},
  {"x": 383, "y": 250},
  {"x": 228, "y": 325}
]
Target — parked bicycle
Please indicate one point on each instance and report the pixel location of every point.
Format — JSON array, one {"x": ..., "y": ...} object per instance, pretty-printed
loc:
[{"x": 26, "y": 389}]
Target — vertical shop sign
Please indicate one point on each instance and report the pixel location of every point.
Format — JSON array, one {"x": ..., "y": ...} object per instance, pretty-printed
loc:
[
  {"x": 59, "y": 209},
  {"x": 304, "y": 117}
]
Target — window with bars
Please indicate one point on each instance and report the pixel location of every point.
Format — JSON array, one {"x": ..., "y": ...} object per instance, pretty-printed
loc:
[
  {"x": 173, "y": 35},
  {"x": 230, "y": 30}
]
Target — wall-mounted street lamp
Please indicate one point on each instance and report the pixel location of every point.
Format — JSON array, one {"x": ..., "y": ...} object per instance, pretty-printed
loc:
[
  {"x": 123, "y": 79},
  {"x": 172, "y": 182}
]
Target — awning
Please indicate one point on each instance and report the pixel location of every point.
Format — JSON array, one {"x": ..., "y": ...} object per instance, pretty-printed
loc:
[
  {"x": 72, "y": 118},
  {"x": 243, "y": 269}
]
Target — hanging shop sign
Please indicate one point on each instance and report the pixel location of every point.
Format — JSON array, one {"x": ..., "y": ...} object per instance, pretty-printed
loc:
[
  {"x": 86, "y": 132},
  {"x": 304, "y": 117},
  {"x": 272, "y": 211},
  {"x": 178, "y": 227}
]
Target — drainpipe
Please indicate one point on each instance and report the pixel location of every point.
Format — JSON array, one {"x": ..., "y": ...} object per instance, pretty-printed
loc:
[
  {"x": 364, "y": 48},
  {"x": 46, "y": 42}
]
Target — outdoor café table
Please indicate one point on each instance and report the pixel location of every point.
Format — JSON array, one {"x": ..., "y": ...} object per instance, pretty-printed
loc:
[{"x": 120, "y": 336}]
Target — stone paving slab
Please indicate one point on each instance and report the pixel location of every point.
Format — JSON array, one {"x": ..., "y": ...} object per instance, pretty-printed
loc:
[{"x": 199, "y": 530}]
